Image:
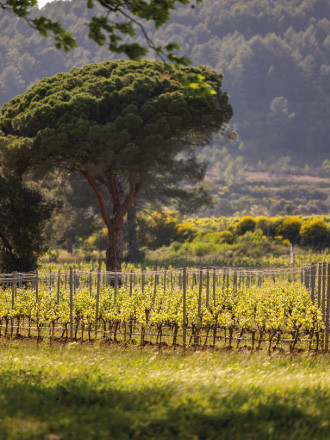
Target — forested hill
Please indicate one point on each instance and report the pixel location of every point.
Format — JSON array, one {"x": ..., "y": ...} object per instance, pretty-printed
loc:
[{"x": 275, "y": 56}]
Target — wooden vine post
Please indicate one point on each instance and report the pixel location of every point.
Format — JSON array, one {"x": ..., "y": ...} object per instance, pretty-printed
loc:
[
  {"x": 214, "y": 285},
  {"x": 155, "y": 288},
  {"x": 235, "y": 280},
  {"x": 313, "y": 274},
  {"x": 58, "y": 286},
  {"x": 184, "y": 299},
  {"x": 200, "y": 294},
  {"x": 319, "y": 284},
  {"x": 37, "y": 286},
  {"x": 97, "y": 301},
  {"x": 207, "y": 287},
  {"x": 130, "y": 283},
  {"x": 199, "y": 321},
  {"x": 324, "y": 273},
  {"x": 115, "y": 288},
  {"x": 327, "y": 316},
  {"x": 13, "y": 292},
  {"x": 71, "y": 303},
  {"x": 90, "y": 283}
]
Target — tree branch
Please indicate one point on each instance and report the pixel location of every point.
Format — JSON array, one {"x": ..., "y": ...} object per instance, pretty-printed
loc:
[
  {"x": 63, "y": 39},
  {"x": 99, "y": 195},
  {"x": 135, "y": 191},
  {"x": 7, "y": 246}
]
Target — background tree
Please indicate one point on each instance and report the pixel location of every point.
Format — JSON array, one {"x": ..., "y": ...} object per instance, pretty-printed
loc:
[
  {"x": 263, "y": 223},
  {"x": 314, "y": 233},
  {"x": 117, "y": 124},
  {"x": 290, "y": 229},
  {"x": 23, "y": 215},
  {"x": 78, "y": 216},
  {"x": 179, "y": 190},
  {"x": 245, "y": 224}
]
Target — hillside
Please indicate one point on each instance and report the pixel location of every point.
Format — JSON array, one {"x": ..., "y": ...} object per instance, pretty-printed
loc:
[
  {"x": 240, "y": 191},
  {"x": 275, "y": 56}
]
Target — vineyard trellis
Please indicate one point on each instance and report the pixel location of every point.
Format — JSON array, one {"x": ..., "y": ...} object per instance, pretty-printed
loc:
[{"x": 210, "y": 307}]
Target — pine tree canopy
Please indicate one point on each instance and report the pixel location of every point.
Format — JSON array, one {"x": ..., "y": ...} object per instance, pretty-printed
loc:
[{"x": 121, "y": 115}]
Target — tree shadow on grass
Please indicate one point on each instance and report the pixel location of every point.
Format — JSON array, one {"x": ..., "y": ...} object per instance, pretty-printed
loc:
[{"x": 75, "y": 409}]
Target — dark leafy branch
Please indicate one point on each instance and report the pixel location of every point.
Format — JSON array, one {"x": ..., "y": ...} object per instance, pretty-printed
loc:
[
  {"x": 120, "y": 18},
  {"x": 63, "y": 39}
]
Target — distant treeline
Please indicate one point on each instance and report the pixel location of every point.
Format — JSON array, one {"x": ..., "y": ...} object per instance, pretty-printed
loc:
[{"x": 275, "y": 56}]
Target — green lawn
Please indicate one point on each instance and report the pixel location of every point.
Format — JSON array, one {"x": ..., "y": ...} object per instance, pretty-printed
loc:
[{"x": 105, "y": 392}]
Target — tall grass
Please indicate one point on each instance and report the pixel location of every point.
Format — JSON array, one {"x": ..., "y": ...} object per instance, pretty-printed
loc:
[{"x": 96, "y": 392}]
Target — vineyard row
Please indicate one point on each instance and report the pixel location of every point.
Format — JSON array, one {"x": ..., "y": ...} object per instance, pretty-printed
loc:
[{"x": 201, "y": 308}]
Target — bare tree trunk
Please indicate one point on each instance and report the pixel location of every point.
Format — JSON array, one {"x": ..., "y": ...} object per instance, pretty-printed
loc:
[
  {"x": 114, "y": 254},
  {"x": 133, "y": 246},
  {"x": 69, "y": 245}
]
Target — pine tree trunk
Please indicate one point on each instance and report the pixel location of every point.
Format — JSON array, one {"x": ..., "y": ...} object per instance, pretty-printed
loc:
[
  {"x": 133, "y": 246},
  {"x": 113, "y": 218},
  {"x": 114, "y": 254}
]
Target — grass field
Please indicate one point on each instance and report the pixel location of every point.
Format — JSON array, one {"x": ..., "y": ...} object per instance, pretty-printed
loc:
[{"x": 101, "y": 392}]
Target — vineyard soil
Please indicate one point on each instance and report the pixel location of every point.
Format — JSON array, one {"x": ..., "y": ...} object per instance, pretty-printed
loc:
[{"x": 87, "y": 392}]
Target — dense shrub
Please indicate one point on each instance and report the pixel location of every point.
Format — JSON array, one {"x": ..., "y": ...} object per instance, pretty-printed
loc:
[
  {"x": 246, "y": 224},
  {"x": 98, "y": 240},
  {"x": 253, "y": 238},
  {"x": 290, "y": 229},
  {"x": 263, "y": 223},
  {"x": 200, "y": 248},
  {"x": 274, "y": 226},
  {"x": 314, "y": 233},
  {"x": 215, "y": 237},
  {"x": 226, "y": 237},
  {"x": 158, "y": 229},
  {"x": 185, "y": 232}
]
